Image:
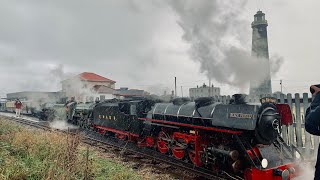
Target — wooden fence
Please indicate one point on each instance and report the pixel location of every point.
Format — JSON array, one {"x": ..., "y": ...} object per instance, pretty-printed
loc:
[{"x": 295, "y": 134}]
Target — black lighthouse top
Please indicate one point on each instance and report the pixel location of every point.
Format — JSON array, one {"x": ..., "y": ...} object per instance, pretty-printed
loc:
[{"x": 259, "y": 20}]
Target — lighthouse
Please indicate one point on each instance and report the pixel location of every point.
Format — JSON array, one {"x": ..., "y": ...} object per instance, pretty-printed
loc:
[{"x": 260, "y": 52}]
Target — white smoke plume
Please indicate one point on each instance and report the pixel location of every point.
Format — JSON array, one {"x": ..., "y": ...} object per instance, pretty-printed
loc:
[
  {"x": 219, "y": 38},
  {"x": 62, "y": 124},
  {"x": 57, "y": 74},
  {"x": 80, "y": 90},
  {"x": 77, "y": 87},
  {"x": 276, "y": 62},
  {"x": 158, "y": 89},
  {"x": 307, "y": 171}
]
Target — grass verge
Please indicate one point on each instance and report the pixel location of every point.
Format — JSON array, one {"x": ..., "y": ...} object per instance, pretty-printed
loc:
[{"x": 36, "y": 154}]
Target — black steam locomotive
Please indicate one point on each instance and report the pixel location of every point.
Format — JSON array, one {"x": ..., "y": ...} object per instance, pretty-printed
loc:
[{"x": 239, "y": 139}]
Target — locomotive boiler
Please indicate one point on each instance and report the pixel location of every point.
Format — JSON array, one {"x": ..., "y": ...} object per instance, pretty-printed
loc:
[{"x": 237, "y": 139}]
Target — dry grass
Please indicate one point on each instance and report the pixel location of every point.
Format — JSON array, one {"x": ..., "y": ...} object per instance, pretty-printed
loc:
[{"x": 35, "y": 154}]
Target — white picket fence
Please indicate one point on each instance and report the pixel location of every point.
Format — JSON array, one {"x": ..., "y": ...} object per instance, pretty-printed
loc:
[{"x": 294, "y": 134}]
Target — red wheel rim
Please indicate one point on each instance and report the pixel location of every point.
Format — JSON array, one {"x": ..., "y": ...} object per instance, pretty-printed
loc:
[
  {"x": 162, "y": 144},
  {"x": 178, "y": 152}
]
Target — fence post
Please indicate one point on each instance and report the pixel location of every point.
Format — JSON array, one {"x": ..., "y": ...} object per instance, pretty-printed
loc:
[
  {"x": 307, "y": 135},
  {"x": 228, "y": 99},
  {"x": 224, "y": 101},
  {"x": 284, "y": 128},
  {"x": 298, "y": 121},
  {"x": 290, "y": 128}
]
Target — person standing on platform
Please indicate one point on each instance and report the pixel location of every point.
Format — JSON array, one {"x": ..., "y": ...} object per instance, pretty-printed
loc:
[{"x": 18, "y": 106}]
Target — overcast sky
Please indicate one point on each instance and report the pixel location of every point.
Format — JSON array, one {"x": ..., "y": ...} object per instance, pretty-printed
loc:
[{"x": 144, "y": 44}]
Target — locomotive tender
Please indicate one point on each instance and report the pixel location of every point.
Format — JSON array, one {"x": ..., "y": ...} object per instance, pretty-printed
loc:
[{"x": 238, "y": 139}]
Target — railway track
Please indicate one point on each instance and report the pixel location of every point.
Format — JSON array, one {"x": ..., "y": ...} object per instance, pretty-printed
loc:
[
  {"x": 142, "y": 156},
  {"x": 38, "y": 125}
]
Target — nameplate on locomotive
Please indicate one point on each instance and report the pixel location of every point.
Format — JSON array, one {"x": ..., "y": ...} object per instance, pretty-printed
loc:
[
  {"x": 106, "y": 117},
  {"x": 269, "y": 100},
  {"x": 241, "y": 116}
]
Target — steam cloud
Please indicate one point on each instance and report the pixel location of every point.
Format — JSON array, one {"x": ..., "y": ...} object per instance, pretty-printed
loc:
[
  {"x": 307, "y": 171},
  {"x": 219, "y": 39},
  {"x": 276, "y": 62}
]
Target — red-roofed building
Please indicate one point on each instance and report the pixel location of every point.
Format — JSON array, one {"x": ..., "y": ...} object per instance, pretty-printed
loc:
[
  {"x": 87, "y": 86},
  {"x": 88, "y": 76}
]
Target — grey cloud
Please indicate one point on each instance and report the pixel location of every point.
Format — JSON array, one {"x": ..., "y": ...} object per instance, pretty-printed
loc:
[
  {"x": 82, "y": 35},
  {"x": 139, "y": 42},
  {"x": 74, "y": 30}
]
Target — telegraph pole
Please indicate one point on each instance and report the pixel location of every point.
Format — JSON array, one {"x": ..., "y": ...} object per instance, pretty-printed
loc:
[
  {"x": 175, "y": 86},
  {"x": 281, "y": 85},
  {"x": 210, "y": 87},
  {"x": 181, "y": 92}
]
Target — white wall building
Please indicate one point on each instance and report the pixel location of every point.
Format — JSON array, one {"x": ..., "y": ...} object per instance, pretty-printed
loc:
[
  {"x": 204, "y": 91},
  {"x": 88, "y": 86}
]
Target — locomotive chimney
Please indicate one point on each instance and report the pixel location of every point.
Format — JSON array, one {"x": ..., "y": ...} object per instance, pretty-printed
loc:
[
  {"x": 239, "y": 98},
  {"x": 261, "y": 53}
]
